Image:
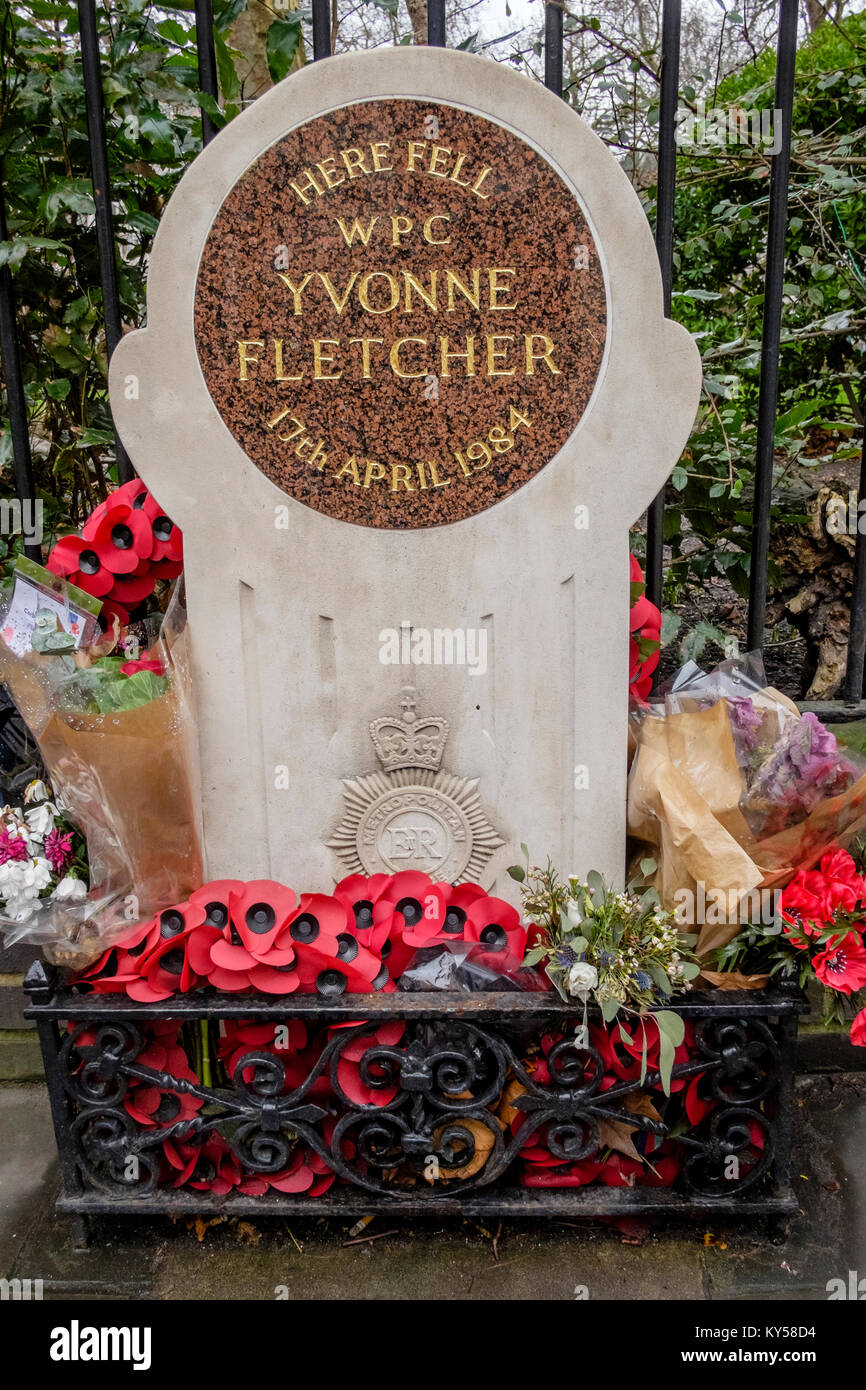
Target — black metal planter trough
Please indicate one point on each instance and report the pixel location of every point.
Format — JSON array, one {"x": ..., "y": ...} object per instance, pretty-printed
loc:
[{"x": 442, "y": 1085}]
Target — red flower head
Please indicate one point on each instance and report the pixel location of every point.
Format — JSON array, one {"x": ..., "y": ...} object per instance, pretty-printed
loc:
[
  {"x": 75, "y": 560},
  {"x": 644, "y": 626},
  {"x": 496, "y": 926},
  {"x": 858, "y": 1029},
  {"x": 120, "y": 536},
  {"x": 144, "y": 663},
  {"x": 360, "y": 894},
  {"x": 802, "y": 912},
  {"x": 413, "y": 906},
  {"x": 842, "y": 965},
  {"x": 165, "y": 966}
]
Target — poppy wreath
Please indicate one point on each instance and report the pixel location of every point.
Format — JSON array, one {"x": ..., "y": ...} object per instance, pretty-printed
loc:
[
  {"x": 261, "y": 937},
  {"x": 625, "y": 1157},
  {"x": 125, "y": 546}
]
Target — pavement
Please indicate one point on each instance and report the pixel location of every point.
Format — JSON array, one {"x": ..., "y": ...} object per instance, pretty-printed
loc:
[{"x": 401, "y": 1259}]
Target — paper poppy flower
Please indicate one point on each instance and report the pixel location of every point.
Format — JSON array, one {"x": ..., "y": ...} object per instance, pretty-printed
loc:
[
  {"x": 75, "y": 560},
  {"x": 572, "y": 1175},
  {"x": 360, "y": 894},
  {"x": 414, "y": 909},
  {"x": 144, "y": 663},
  {"x": 496, "y": 926},
  {"x": 121, "y": 537},
  {"x": 842, "y": 965}
]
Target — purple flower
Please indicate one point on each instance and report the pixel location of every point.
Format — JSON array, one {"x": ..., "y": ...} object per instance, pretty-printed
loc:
[
  {"x": 58, "y": 850},
  {"x": 804, "y": 767},
  {"x": 12, "y": 847},
  {"x": 745, "y": 723}
]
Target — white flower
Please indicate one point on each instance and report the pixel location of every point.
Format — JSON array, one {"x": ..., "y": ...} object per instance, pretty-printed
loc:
[
  {"x": 36, "y": 791},
  {"x": 575, "y": 916},
  {"x": 24, "y": 878},
  {"x": 70, "y": 889},
  {"x": 582, "y": 977},
  {"x": 40, "y": 819}
]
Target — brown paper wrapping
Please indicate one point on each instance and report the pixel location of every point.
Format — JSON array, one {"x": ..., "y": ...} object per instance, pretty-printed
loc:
[
  {"x": 126, "y": 779},
  {"x": 683, "y": 806}
]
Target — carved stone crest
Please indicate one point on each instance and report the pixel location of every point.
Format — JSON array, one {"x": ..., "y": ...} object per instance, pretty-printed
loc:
[{"x": 413, "y": 815}]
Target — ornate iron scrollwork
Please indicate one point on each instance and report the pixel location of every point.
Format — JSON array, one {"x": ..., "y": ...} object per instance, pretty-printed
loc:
[{"x": 426, "y": 1114}]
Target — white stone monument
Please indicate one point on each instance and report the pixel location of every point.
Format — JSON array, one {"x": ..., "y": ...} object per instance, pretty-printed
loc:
[{"x": 404, "y": 385}]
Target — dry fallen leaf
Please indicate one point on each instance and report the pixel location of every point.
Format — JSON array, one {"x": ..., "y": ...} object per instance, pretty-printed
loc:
[
  {"x": 614, "y": 1134},
  {"x": 733, "y": 979}
]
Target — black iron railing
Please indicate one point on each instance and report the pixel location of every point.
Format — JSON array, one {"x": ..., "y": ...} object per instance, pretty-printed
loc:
[
  {"x": 665, "y": 241},
  {"x": 453, "y": 1105}
]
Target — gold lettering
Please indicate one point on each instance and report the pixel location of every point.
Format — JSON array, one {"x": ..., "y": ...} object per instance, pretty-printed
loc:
[
  {"x": 357, "y": 230},
  {"x": 461, "y": 160},
  {"x": 410, "y": 283},
  {"x": 308, "y": 181},
  {"x": 394, "y": 358},
  {"x": 379, "y": 149},
  {"x": 532, "y": 356},
  {"x": 338, "y": 303},
  {"x": 437, "y": 482},
  {"x": 320, "y": 358},
  {"x": 400, "y": 227},
  {"x": 244, "y": 356},
  {"x": 319, "y": 449},
  {"x": 278, "y": 364},
  {"x": 365, "y": 353},
  {"x": 350, "y": 467},
  {"x": 472, "y": 295},
  {"x": 329, "y": 173},
  {"x": 446, "y": 356},
  {"x": 353, "y": 158},
  {"x": 496, "y": 289},
  {"x": 417, "y": 149},
  {"x": 495, "y": 354},
  {"x": 373, "y": 470},
  {"x": 476, "y": 187},
  {"x": 295, "y": 290},
  {"x": 401, "y": 473},
  {"x": 364, "y": 292},
  {"x": 435, "y": 160},
  {"x": 428, "y": 229}
]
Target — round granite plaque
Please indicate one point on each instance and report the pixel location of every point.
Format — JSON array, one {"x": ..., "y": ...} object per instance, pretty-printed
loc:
[{"x": 400, "y": 313}]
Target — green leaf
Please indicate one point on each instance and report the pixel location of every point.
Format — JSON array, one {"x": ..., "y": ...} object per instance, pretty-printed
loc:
[
  {"x": 671, "y": 1033},
  {"x": 516, "y": 871},
  {"x": 284, "y": 46}
]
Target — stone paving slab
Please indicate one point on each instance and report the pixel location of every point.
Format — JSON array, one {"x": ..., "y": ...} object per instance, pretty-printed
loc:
[{"x": 432, "y": 1260}]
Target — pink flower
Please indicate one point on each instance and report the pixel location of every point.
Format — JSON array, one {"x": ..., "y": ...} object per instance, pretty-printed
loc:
[
  {"x": 12, "y": 847},
  {"x": 58, "y": 850}
]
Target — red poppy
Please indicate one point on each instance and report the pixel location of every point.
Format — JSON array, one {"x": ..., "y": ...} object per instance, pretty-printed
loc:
[
  {"x": 73, "y": 559},
  {"x": 121, "y": 537},
  {"x": 496, "y": 926},
  {"x": 842, "y": 964},
  {"x": 801, "y": 911},
  {"x": 144, "y": 663},
  {"x": 858, "y": 1029},
  {"x": 360, "y": 894}
]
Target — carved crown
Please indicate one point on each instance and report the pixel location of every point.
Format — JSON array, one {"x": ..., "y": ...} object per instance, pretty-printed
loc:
[{"x": 410, "y": 742}]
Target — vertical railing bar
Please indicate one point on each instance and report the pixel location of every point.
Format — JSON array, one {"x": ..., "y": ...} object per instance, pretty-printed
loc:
[
  {"x": 666, "y": 189},
  {"x": 553, "y": 46},
  {"x": 91, "y": 64},
  {"x": 436, "y": 23},
  {"x": 15, "y": 398},
  {"x": 852, "y": 689},
  {"x": 786, "y": 57},
  {"x": 206, "y": 59},
  {"x": 321, "y": 29}
]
